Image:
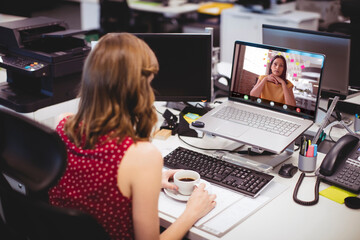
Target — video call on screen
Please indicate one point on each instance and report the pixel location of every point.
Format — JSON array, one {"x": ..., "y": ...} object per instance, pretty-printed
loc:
[{"x": 303, "y": 71}]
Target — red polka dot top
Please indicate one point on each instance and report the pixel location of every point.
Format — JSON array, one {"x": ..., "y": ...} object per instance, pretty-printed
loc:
[{"x": 90, "y": 184}]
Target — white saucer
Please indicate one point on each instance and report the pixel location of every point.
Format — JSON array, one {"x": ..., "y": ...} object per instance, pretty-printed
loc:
[
  {"x": 176, "y": 195},
  {"x": 184, "y": 198}
]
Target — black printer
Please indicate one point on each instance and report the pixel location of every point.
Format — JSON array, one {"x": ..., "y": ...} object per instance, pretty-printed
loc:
[{"x": 43, "y": 61}]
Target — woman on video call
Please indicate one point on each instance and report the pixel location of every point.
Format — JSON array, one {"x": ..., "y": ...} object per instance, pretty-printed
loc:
[
  {"x": 274, "y": 86},
  {"x": 114, "y": 172}
]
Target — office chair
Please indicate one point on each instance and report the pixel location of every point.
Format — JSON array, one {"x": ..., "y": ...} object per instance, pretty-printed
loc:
[
  {"x": 32, "y": 160},
  {"x": 220, "y": 89}
]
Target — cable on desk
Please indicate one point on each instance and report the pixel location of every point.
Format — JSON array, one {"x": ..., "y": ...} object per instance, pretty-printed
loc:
[
  {"x": 158, "y": 111},
  {"x": 316, "y": 191}
]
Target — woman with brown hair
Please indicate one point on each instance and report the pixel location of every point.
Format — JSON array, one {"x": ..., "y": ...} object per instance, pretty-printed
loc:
[
  {"x": 274, "y": 86},
  {"x": 114, "y": 173}
]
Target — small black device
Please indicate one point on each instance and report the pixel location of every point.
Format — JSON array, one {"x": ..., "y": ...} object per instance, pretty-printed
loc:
[
  {"x": 288, "y": 170},
  {"x": 170, "y": 122},
  {"x": 352, "y": 202},
  {"x": 198, "y": 124}
]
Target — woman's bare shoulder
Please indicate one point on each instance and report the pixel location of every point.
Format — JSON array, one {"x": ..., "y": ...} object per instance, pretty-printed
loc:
[{"x": 144, "y": 151}]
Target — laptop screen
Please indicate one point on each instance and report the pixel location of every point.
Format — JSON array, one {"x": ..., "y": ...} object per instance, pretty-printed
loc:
[{"x": 279, "y": 79}]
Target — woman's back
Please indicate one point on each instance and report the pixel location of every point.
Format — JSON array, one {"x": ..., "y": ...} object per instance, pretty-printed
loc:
[{"x": 90, "y": 184}]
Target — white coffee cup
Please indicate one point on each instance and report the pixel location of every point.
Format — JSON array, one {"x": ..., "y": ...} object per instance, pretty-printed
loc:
[{"x": 186, "y": 181}]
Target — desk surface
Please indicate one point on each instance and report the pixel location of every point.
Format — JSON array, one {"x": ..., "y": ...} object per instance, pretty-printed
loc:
[{"x": 281, "y": 218}]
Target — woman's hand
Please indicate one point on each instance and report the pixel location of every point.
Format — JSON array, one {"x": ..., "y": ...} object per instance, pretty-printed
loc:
[
  {"x": 166, "y": 176},
  {"x": 200, "y": 202},
  {"x": 279, "y": 80},
  {"x": 271, "y": 78},
  {"x": 274, "y": 79}
]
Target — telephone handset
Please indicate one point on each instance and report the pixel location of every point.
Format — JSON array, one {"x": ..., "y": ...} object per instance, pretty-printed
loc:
[{"x": 341, "y": 165}]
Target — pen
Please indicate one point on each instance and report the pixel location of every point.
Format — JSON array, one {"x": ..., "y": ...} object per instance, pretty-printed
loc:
[
  {"x": 302, "y": 145},
  {"x": 305, "y": 147},
  {"x": 315, "y": 149}
]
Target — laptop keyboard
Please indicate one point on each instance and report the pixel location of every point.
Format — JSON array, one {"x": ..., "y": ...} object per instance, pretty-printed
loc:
[
  {"x": 259, "y": 121},
  {"x": 231, "y": 176}
]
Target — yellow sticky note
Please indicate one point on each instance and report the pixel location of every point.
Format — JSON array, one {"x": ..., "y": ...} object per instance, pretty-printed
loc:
[
  {"x": 336, "y": 194},
  {"x": 189, "y": 120}
]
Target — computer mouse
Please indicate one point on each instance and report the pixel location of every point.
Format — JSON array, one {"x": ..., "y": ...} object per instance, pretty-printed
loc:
[{"x": 288, "y": 170}]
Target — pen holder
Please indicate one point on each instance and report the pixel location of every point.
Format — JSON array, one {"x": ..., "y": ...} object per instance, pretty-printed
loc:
[
  {"x": 307, "y": 164},
  {"x": 357, "y": 124}
]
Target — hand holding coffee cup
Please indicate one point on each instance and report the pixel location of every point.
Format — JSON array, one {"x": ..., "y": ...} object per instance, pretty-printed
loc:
[{"x": 186, "y": 180}]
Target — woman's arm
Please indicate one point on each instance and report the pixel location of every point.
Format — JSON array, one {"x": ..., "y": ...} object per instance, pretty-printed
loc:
[
  {"x": 257, "y": 89},
  {"x": 142, "y": 175},
  {"x": 139, "y": 177}
]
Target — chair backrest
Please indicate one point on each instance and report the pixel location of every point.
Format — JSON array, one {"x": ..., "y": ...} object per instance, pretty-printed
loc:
[{"x": 32, "y": 160}]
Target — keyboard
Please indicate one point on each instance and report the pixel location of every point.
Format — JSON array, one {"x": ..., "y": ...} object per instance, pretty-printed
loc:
[
  {"x": 231, "y": 176},
  {"x": 259, "y": 121}
]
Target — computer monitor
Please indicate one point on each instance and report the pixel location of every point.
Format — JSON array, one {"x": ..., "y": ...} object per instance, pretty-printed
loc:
[
  {"x": 185, "y": 66},
  {"x": 336, "y": 48}
]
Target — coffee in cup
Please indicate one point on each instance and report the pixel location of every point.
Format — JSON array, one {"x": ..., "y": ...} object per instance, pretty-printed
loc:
[{"x": 186, "y": 181}]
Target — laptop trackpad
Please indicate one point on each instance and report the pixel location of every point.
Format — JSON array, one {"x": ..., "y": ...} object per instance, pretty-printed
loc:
[{"x": 234, "y": 130}]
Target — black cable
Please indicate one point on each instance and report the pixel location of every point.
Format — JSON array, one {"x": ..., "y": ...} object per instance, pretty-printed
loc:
[
  {"x": 298, "y": 147},
  {"x": 198, "y": 104},
  {"x": 159, "y": 112},
  {"x": 316, "y": 191}
]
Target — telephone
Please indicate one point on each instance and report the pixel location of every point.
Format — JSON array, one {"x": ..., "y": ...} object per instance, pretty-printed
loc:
[{"x": 341, "y": 165}]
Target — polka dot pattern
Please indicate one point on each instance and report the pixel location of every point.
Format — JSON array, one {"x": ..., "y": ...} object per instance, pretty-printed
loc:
[{"x": 90, "y": 184}]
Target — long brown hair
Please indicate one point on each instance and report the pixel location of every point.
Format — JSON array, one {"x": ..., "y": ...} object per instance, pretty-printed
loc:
[{"x": 115, "y": 93}]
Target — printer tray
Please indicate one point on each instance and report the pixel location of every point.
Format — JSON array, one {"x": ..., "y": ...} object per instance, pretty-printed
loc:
[{"x": 22, "y": 101}]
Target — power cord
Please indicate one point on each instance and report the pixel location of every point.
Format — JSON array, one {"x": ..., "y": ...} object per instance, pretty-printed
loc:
[{"x": 316, "y": 191}]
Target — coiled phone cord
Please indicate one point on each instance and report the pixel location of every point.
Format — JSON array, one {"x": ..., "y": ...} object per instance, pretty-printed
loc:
[{"x": 306, "y": 203}]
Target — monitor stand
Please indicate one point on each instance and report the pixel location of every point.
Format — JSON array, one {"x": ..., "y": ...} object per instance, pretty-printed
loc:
[{"x": 263, "y": 163}]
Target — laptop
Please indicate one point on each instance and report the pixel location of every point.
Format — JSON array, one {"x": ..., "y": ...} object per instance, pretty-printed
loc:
[{"x": 270, "y": 121}]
